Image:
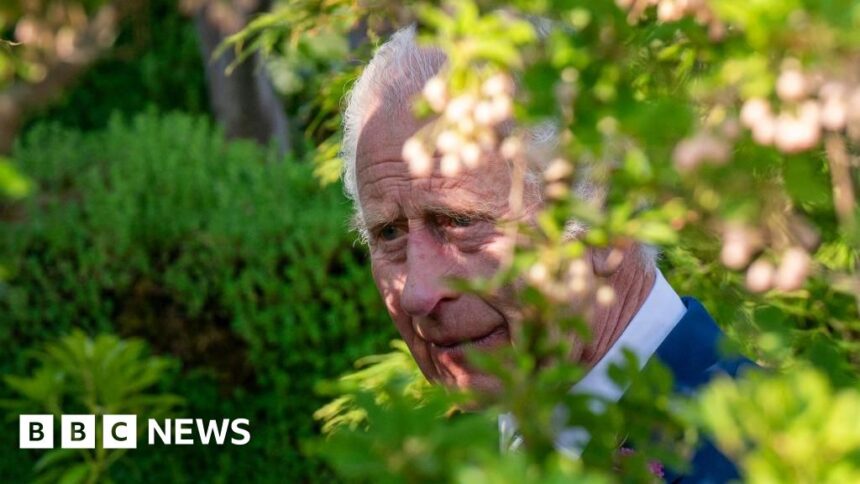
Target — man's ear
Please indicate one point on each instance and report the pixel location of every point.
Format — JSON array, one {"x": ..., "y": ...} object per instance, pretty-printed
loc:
[{"x": 607, "y": 260}]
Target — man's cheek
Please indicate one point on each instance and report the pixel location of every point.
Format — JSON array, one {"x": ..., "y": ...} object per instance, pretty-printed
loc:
[{"x": 389, "y": 283}]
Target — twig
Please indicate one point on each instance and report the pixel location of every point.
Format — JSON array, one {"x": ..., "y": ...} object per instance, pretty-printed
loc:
[{"x": 840, "y": 174}]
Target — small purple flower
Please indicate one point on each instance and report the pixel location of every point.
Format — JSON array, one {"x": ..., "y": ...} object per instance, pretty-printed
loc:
[{"x": 654, "y": 466}]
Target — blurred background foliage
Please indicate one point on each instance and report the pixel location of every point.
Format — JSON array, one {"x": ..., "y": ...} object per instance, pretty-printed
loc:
[
  {"x": 124, "y": 211},
  {"x": 156, "y": 227},
  {"x": 80, "y": 375},
  {"x": 155, "y": 61},
  {"x": 191, "y": 220}
]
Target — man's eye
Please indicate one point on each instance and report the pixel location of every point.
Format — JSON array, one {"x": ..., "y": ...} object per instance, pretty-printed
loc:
[
  {"x": 454, "y": 221},
  {"x": 389, "y": 232},
  {"x": 461, "y": 221}
]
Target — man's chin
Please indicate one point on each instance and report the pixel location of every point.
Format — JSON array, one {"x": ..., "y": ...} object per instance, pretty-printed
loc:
[{"x": 473, "y": 381}]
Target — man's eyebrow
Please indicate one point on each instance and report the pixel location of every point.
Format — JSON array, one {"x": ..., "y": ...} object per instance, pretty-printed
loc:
[
  {"x": 478, "y": 212},
  {"x": 376, "y": 220}
]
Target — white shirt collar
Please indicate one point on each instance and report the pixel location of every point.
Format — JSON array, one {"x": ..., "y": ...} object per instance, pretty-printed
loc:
[{"x": 658, "y": 316}]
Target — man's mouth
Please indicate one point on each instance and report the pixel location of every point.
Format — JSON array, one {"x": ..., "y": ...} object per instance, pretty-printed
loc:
[{"x": 457, "y": 348}]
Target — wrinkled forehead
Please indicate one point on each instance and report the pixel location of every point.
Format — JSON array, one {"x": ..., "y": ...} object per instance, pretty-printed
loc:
[
  {"x": 387, "y": 118},
  {"x": 385, "y": 128},
  {"x": 380, "y": 169}
]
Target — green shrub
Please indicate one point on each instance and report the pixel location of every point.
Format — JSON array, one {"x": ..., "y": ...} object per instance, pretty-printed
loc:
[
  {"x": 215, "y": 252},
  {"x": 98, "y": 376}
]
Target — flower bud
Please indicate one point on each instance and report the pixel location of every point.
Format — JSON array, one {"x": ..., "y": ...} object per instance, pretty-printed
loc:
[
  {"x": 686, "y": 157},
  {"x": 832, "y": 90},
  {"x": 703, "y": 16},
  {"x": 754, "y": 111},
  {"x": 412, "y": 148},
  {"x": 578, "y": 284},
  {"x": 448, "y": 142},
  {"x": 556, "y": 190},
  {"x": 538, "y": 273},
  {"x": 558, "y": 169},
  {"x": 449, "y": 165},
  {"x": 793, "y": 269},
  {"x": 605, "y": 295},
  {"x": 498, "y": 85},
  {"x": 791, "y": 85},
  {"x": 460, "y": 107},
  {"x": 466, "y": 126},
  {"x": 735, "y": 255},
  {"x": 578, "y": 268},
  {"x": 420, "y": 162},
  {"x": 796, "y": 134},
  {"x": 512, "y": 148},
  {"x": 764, "y": 131},
  {"x": 485, "y": 114},
  {"x": 486, "y": 139},
  {"x": 668, "y": 11},
  {"x": 716, "y": 29},
  {"x": 810, "y": 113},
  {"x": 731, "y": 129},
  {"x": 470, "y": 155},
  {"x": 702, "y": 147},
  {"x": 834, "y": 115},
  {"x": 502, "y": 108},
  {"x": 27, "y": 31},
  {"x": 760, "y": 276},
  {"x": 738, "y": 245},
  {"x": 436, "y": 93}
]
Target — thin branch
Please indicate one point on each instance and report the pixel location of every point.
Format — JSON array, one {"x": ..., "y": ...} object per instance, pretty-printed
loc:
[{"x": 840, "y": 174}]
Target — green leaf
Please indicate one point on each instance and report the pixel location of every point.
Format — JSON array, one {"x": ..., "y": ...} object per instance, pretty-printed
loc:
[
  {"x": 12, "y": 183},
  {"x": 53, "y": 457},
  {"x": 806, "y": 181},
  {"x": 76, "y": 474}
]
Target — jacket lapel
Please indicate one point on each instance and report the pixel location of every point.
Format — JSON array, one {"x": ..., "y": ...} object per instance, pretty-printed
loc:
[{"x": 692, "y": 353}]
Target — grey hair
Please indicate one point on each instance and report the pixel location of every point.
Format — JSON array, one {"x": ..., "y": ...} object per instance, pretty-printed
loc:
[{"x": 400, "y": 68}]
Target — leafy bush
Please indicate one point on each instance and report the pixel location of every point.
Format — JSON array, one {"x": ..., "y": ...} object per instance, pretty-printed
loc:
[
  {"x": 726, "y": 133},
  {"x": 215, "y": 252},
  {"x": 12, "y": 184},
  {"x": 791, "y": 428},
  {"x": 101, "y": 376}
]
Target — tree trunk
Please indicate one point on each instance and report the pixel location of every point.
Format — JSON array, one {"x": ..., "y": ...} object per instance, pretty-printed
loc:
[{"x": 243, "y": 101}]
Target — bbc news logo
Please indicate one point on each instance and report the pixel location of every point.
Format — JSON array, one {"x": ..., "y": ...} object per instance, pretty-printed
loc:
[{"x": 120, "y": 431}]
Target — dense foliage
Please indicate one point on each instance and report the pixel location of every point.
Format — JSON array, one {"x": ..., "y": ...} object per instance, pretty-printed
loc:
[
  {"x": 725, "y": 133},
  {"x": 155, "y": 61},
  {"x": 217, "y": 253},
  {"x": 80, "y": 375}
]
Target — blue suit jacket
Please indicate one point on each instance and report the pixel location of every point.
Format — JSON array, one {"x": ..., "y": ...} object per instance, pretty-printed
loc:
[{"x": 692, "y": 353}]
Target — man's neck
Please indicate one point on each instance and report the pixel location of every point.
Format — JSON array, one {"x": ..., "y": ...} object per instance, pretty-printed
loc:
[{"x": 631, "y": 290}]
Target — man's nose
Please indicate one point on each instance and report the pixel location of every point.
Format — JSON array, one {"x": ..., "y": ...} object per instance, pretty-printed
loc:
[{"x": 428, "y": 263}]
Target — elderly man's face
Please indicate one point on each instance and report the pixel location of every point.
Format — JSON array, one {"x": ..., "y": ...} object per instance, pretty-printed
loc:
[{"x": 424, "y": 231}]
